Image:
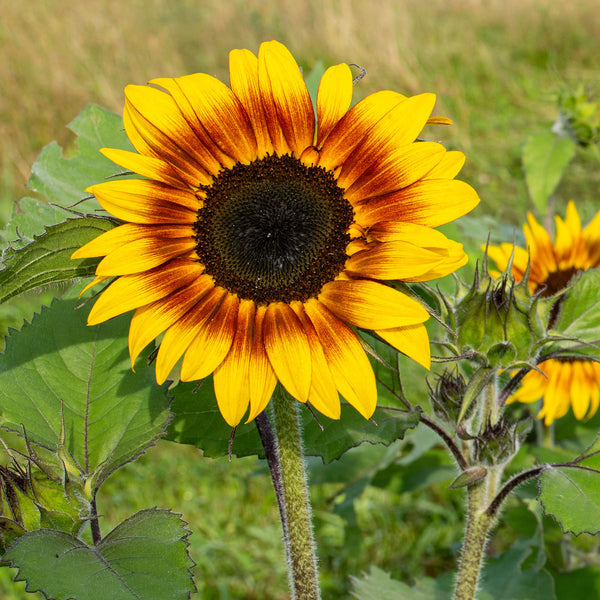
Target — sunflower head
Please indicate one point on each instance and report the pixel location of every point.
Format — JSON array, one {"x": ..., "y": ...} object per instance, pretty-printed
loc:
[
  {"x": 551, "y": 265},
  {"x": 265, "y": 231},
  {"x": 548, "y": 267}
]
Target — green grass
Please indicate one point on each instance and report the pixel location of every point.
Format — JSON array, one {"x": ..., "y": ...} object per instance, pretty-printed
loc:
[{"x": 496, "y": 67}]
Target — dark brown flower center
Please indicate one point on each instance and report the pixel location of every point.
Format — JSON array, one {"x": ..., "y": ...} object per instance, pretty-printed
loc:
[
  {"x": 273, "y": 230},
  {"x": 558, "y": 280}
]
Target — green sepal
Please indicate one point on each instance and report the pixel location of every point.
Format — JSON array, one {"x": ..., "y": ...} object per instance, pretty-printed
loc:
[
  {"x": 469, "y": 477},
  {"x": 477, "y": 383}
]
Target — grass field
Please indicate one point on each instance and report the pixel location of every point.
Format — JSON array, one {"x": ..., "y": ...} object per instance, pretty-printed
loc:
[{"x": 496, "y": 66}]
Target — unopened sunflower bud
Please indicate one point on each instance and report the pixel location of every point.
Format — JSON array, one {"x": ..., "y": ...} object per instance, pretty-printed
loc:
[
  {"x": 499, "y": 320},
  {"x": 448, "y": 395},
  {"x": 499, "y": 442}
]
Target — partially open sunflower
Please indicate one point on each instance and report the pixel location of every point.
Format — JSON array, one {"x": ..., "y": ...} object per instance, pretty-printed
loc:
[
  {"x": 561, "y": 383},
  {"x": 262, "y": 236}
]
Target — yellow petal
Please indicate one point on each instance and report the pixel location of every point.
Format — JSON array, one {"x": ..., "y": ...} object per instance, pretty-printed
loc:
[
  {"x": 261, "y": 377},
  {"x": 110, "y": 240},
  {"x": 396, "y": 129},
  {"x": 285, "y": 97},
  {"x": 355, "y": 125},
  {"x": 323, "y": 394},
  {"x": 132, "y": 291},
  {"x": 371, "y": 305},
  {"x": 243, "y": 75},
  {"x": 348, "y": 362},
  {"x": 333, "y": 99},
  {"x": 421, "y": 235},
  {"x": 156, "y": 127},
  {"x": 412, "y": 341},
  {"x": 397, "y": 170},
  {"x": 431, "y": 202},
  {"x": 392, "y": 260},
  {"x": 182, "y": 332},
  {"x": 231, "y": 376},
  {"x": 145, "y": 254},
  {"x": 146, "y": 202},
  {"x": 147, "y": 166},
  {"x": 215, "y": 114},
  {"x": 452, "y": 258},
  {"x": 212, "y": 342},
  {"x": 449, "y": 167},
  {"x": 149, "y": 321},
  {"x": 93, "y": 283},
  {"x": 288, "y": 350}
]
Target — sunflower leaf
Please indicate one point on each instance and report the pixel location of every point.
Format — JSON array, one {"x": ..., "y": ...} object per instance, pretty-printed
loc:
[
  {"x": 146, "y": 556},
  {"x": 62, "y": 175},
  {"x": 545, "y": 158},
  {"x": 579, "y": 316},
  {"x": 572, "y": 496},
  {"x": 47, "y": 259},
  {"x": 57, "y": 371},
  {"x": 198, "y": 422}
]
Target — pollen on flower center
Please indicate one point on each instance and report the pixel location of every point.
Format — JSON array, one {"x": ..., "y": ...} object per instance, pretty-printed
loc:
[{"x": 274, "y": 230}]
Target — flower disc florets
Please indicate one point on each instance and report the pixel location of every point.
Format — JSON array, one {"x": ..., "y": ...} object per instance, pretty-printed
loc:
[{"x": 275, "y": 230}]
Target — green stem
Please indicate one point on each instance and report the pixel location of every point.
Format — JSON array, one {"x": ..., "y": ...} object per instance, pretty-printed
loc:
[
  {"x": 478, "y": 526},
  {"x": 298, "y": 531}
]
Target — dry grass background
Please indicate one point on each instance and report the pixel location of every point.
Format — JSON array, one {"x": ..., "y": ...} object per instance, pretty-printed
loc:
[{"x": 493, "y": 63}]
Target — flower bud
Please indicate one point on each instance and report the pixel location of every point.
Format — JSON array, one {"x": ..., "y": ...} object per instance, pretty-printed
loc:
[{"x": 499, "y": 320}]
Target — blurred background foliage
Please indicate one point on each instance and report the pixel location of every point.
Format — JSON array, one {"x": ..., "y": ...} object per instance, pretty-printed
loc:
[{"x": 497, "y": 66}]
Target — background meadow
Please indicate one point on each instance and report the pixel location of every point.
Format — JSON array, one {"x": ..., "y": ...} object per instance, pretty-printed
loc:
[{"x": 496, "y": 66}]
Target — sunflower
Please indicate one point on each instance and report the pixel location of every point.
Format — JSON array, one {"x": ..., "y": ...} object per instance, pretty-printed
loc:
[
  {"x": 561, "y": 382},
  {"x": 261, "y": 237}
]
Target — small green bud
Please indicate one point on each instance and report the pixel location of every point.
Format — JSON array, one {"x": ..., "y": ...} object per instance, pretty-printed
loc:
[
  {"x": 448, "y": 395},
  {"x": 499, "y": 442},
  {"x": 469, "y": 477},
  {"x": 41, "y": 493}
]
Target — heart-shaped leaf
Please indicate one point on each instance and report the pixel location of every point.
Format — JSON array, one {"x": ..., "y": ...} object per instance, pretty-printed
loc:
[
  {"x": 57, "y": 371},
  {"x": 572, "y": 496},
  {"x": 143, "y": 558}
]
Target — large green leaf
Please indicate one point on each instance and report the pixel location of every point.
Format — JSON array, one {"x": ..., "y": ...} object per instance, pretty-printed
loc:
[
  {"x": 28, "y": 221},
  {"x": 62, "y": 176},
  {"x": 57, "y": 370},
  {"x": 47, "y": 259},
  {"x": 545, "y": 158},
  {"x": 581, "y": 583},
  {"x": 143, "y": 558},
  {"x": 198, "y": 422},
  {"x": 529, "y": 584},
  {"x": 572, "y": 496},
  {"x": 579, "y": 315},
  {"x": 378, "y": 585}
]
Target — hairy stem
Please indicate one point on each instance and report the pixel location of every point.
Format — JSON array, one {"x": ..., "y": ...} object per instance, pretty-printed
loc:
[
  {"x": 478, "y": 526},
  {"x": 296, "y": 512},
  {"x": 447, "y": 439},
  {"x": 270, "y": 446}
]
